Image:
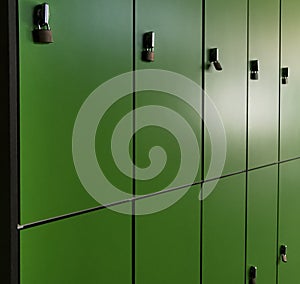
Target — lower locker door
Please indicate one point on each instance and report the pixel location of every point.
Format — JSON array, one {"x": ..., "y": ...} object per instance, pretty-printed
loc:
[
  {"x": 93, "y": 248},
  {"x": 168, "y": 242},
  {"x": 289, "y": 222},
  {"x": 262, "y": 224},
  {"x": 224, "y": 232}
]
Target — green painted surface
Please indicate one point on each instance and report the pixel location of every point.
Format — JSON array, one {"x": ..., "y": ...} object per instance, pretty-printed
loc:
[
  {"x": 224, "y": 232},
  {"x": 94, "y": 248},
  {"x": 93, "y": 43},
  {"x": 168, "y": 242},
  {"x": 289, "y": 221},
  {"x": 177, "y": 27},
  {"x": 226, "y": 29},
  {"x": 263, "y": 93},
  {"x": 262, "y": 223},
  {"x": 290, "y": 99}
]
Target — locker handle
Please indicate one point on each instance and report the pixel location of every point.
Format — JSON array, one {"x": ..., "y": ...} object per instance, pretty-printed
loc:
[
  {"x": 283, "y": 253},
  {"x": 214, "y": 59},
  {"x": 148, "y": 46},
  {"x": 253, "y": 274},
  {"x": 284, "y": 75}
]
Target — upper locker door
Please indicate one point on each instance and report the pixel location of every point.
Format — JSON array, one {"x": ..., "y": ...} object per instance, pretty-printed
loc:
[
  {"x": 290, "y": 99},
  {"x": 263, "y": 89},
  {"x": 168, "y": 141},
  {"x": 226, "y": 30},
  {"x": 92, "y": 44}
]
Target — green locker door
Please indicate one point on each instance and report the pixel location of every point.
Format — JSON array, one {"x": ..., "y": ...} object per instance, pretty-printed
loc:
[
  {"x": 92, "y": 248},
  {"x": 290, "y": 99},
  {"x": 289, "y": 222},
  {"x": 264, "y": 92},
  {"x": 167, "y": 242},
  {"x": 224, "y": 232},
  {"x": 262, "y": 224},
  {"x": 92, "y": 44},
  {"x": 226, "y": 29}
]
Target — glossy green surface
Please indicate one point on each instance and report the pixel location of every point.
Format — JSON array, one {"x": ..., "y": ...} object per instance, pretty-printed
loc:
[
  {"x": 226, "y": 29},
  {"x": 264, "y": 92},
  {"x": 93, "y": 248},
  {"x": 93, "y": 43},
  {"x": 262, "y": 223},
  {"x": 168, "y": 242},
  {"x": 290, "y": 99},
  {"x": 224, "y": 232},
  {"x": 177, "y": 27},
  {"x": 289, "y": 222}
]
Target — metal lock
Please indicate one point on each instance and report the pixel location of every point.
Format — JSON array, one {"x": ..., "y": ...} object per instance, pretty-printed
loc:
[
  {"x": 254, "y": 69},
  {"x": 42, "y": 32},
  {"x": 252, "y": 275},
  {"x": 284, "y": 75},
  {"x": 214, "y": 58},
  {"x": 148, "y": 47},
  {"x": 283, "y": 253}
]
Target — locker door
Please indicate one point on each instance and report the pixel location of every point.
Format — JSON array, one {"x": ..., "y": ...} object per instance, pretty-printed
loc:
[
  {"x": 168, "y": 241},
  {"x": 262, "y": 224},
  {"x": 92, "y": 248},
  {"x": 174, "y": 122},
  {"x": 224, "y": 232},
  {"x": 290, "y": 100},
  {"x": 92, "y": 44},
  {"x": 289, "y": 222},
  {"x": 264, "y": 92},
  {"x": 226, "y": 29}
]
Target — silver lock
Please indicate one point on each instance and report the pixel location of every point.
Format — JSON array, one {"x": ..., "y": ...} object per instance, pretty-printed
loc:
[{"x": 42, "y": 32}]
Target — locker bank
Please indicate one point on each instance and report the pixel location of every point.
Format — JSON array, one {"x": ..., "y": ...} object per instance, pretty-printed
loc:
[{"x": 177, "y": 89}]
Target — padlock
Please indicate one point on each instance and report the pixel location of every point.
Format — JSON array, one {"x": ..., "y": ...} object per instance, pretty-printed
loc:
[
  {"x": 42, "y": 36},
  {"x": 42, "y": 32}
]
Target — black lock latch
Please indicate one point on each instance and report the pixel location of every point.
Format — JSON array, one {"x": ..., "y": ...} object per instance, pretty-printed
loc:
[
  {"x": 214, "y": 59},
  {"x": 252, "y": 275},
  {"x": 284, "y": 75},
  {"x": 42, "y": 32},
  {"x": 254, "y": 69},
  {"x": 283, "y": 253}
]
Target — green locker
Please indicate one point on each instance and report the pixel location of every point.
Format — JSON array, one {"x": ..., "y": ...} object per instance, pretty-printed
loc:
[
  {"x": 264, "y": 92},
  {"x": 92, "y": 248},
  {"x": 172, "y": 120},
  {"x": 290, "y": 100},
  {"x": 92, "y": 43},
  {"x": 289, "y": 222},
  {"x": 224, "y": 232},
  {"x": 168, "y": 242},
  {"x": 262, "y": 224},
  {"x": 226, "y": 29}
]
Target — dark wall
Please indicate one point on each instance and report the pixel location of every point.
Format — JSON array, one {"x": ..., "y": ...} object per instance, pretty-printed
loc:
[{"x": 8, "y": 144}]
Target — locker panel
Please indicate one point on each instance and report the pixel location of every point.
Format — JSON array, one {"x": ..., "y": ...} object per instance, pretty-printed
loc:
[
  {"x": 289, "y": 221},
  {"x": 264, "y": 92},
  {"x": 174, "y": 122},
  {"x": 262, "y": 224},
  {"x": 224, "y": 232},
  {"x": 92, "y": 248},
  {"x": 168, "y": 242},
  {"x": 92, "y": 43},
  {"x": 226, "y": 29},
  {"x": 290, "y": 100}
]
